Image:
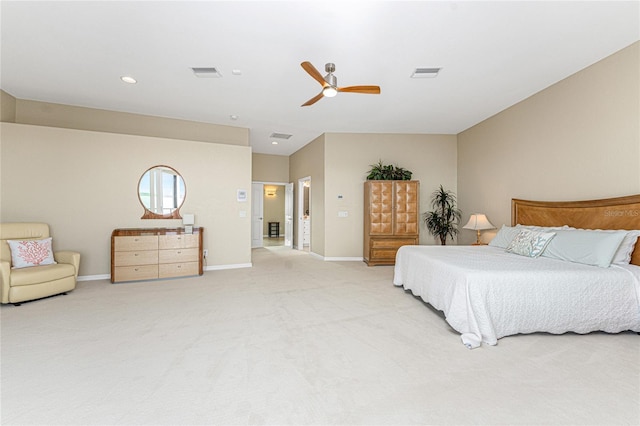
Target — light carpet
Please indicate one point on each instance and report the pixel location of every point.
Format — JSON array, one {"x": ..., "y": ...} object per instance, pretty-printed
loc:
[{"x": 294, "y": 341}]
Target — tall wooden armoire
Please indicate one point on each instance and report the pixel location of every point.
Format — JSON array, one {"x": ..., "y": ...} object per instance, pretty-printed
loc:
[{"x": 391, "y": 218}]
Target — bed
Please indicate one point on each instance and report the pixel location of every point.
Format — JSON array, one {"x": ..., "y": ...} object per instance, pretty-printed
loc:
[{"x": 487, "y": 292}]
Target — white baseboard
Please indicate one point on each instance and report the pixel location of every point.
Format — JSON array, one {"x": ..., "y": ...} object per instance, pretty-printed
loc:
[
  {"x": 232, "y": 266},
  {"x": 343, "y": 259},
  {"x": 208, "y": 268},
  {"x": 94, "y": 277}
]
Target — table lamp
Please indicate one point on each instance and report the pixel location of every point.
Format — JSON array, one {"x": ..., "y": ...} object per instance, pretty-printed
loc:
[
  {"x": 478, "y": 222},
  {"x": 188, "y": 220}
]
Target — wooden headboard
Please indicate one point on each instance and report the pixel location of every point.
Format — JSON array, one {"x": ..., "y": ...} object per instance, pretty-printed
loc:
[{"x": 610, "y": 213}]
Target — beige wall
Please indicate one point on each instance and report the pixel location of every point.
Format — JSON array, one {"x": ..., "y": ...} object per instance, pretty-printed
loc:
[
  {"x": 7, "y": 107},
  {"x": 270, "y": 168},
  {"x": 309, "y": 161},
  {"x": 84, "y": 184},
  {"x": 72, "y": 117},
  {"x": 348, "y": 159},
  {"x": 578, "y": 139}
]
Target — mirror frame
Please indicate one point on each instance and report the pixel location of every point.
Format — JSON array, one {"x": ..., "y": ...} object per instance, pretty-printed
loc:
[{"x": 175, "y": 213}]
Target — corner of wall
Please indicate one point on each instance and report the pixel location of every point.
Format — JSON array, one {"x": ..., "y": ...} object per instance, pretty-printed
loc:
[{"x": 7, "y": 107}]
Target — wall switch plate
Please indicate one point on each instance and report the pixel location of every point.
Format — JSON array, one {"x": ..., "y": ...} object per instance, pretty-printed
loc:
[
  {"x": 243, "y": 213},
  {"x": 343, "y": 214},
  {"x": 205, "y": 253}
]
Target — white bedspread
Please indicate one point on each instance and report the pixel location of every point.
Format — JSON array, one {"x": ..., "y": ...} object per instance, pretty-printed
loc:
[{"x": 487, "y": 293}]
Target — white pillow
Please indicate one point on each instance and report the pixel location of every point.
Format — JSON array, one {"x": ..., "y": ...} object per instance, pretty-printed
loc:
[
  {"x": 625, "y": 250},
  {"x": 31, "y": 253},
  {"x": 590, "y": 247},
  {"x": 544, "y": 228},
  {"x": 504, "y": 236},
  {"x": 530, "y": 243}
]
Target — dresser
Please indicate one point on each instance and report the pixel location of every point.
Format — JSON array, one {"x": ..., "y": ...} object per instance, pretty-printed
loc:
[
  {"x": 306, "y": 231},
  {"x": 152, "y": 253},
  {"x": 391, "y": 219}
]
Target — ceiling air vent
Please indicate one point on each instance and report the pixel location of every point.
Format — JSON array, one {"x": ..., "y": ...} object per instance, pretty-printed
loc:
[
  {"x": 209, "y": 72},
  {"x": 279, "y": 136},
  {"x": 425, "y": 72}
]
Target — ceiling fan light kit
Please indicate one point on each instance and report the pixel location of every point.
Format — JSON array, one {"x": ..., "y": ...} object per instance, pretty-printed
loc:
[
  {"x": 329, "y": 84},
  {"x": 329, "y": 91}
]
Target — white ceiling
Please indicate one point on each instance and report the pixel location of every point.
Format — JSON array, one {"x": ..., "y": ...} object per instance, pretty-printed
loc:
[{"x": 492, "y": 55}]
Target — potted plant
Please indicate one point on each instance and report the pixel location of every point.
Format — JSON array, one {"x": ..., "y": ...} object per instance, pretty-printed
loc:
[
  {"x": 380, "y": 171},
  {"x": 442, "y": 221}
]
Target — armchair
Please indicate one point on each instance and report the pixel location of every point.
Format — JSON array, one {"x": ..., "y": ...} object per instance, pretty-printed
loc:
[{"x": 34, "y": 282}]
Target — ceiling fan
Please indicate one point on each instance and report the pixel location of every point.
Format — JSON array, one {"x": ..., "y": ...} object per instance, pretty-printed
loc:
[{"x": 330, "y": 84}]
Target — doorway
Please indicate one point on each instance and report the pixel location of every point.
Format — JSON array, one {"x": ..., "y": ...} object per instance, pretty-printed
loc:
[{"x": 271, "y": 214}]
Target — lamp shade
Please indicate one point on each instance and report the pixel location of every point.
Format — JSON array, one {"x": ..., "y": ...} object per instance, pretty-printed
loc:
[{"x": 478, "y": 222}]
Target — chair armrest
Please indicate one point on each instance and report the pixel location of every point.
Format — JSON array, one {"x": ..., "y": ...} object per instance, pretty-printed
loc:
[
  {"x": 70, "y": 257},
  {"x": 5, "y": 271}
]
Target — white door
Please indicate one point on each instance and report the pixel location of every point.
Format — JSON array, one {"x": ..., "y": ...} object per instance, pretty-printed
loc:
[
  {"x": 288, "y": 215},
  {"x": 257, "y": 205}
]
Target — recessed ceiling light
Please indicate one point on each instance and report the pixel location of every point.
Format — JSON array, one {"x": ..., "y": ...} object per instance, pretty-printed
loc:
[
  {"x": 128, "y": 79},
  {"x": 274, "y": 142},
  {"x": 236, "y": 72},
  {"x": 233, "y": 117}
]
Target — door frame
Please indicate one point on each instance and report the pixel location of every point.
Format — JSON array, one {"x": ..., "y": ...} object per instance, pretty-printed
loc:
[{"x": 287, "y": 224}]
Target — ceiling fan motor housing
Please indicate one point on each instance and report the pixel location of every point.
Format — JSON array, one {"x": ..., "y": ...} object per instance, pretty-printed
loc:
[{"x": 331, "y": 80}]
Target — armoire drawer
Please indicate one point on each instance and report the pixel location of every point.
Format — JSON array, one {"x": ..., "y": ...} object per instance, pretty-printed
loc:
[{"x": 392, "y": 243}]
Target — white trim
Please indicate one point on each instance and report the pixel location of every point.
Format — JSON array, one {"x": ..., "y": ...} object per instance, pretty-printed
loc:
[
  {"x": 230, "y": 266},
  {"x": 94, "y": 277},
  {"x": 343, "y": 259}
]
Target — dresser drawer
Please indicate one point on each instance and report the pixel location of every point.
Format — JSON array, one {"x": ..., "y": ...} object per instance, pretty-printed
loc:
[
  {"x": 178, "y": 241},
  {"x": 169, "y": 270},
  {"x": 135, "y": 273},
  {"x": 132, "y": 258},
  {"x": 135, "y": 243},
  {"x": 178, "y": 256}
]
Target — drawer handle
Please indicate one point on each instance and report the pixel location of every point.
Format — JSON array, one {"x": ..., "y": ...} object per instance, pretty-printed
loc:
[
  {"x": 135, "y": 269},
  {"x": 136, "y": 239},
  {"x": 135, "y": 254},
  {"x": 179, "y": 266},
  {"x": 179, "y": 252}
]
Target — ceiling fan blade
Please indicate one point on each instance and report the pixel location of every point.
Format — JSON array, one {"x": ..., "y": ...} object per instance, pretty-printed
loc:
[
  {"x": 372, "y": 90},
  {"x": 313, "y": 100},
  {"x": 313, "y": 72}
]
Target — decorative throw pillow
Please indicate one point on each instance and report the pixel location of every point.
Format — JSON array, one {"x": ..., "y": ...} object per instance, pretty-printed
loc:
[
  {"x": 31, "y": 253},
  {"x": 530, "y": 243}
]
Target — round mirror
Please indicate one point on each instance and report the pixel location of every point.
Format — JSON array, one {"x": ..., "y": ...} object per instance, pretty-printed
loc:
[{"x": 161, "y": 192}]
